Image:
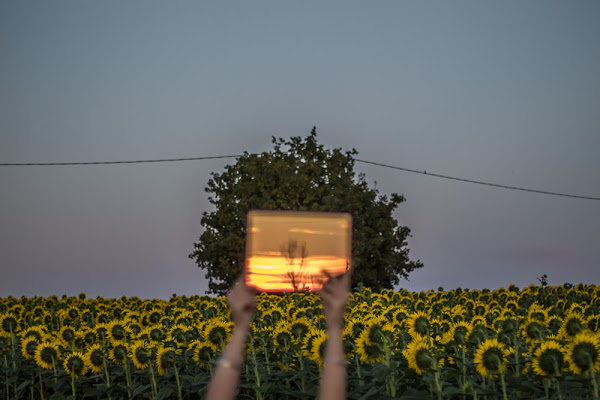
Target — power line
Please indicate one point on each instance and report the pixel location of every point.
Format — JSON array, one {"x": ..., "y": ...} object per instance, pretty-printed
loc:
[
  {"x": 116, "y": 162},
  {"x": 477, "y": 182},
  {"x": 357, "y": 160}
]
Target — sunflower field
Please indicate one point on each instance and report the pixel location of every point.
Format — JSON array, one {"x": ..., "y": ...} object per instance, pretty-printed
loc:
[{"x": 539, "y": 342}]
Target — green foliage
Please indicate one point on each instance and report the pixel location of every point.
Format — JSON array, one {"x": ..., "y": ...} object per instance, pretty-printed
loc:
[{"x": 300, "y": 174}]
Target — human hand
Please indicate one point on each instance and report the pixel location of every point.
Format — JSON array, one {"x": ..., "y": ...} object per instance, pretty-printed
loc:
[
  {"x": 334, "y": 297},
  {"x": 242, "y": 302}
]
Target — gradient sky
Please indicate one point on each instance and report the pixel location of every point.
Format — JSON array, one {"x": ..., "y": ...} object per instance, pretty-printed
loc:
[{"x": 506, "y": 92}]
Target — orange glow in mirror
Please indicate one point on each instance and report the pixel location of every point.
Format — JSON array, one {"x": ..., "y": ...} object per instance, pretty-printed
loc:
[{"x": 290, "y": 251}]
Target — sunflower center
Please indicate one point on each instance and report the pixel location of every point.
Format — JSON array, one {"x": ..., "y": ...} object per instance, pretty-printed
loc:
[
  {"x": 48, "y": 355},
  {"x": 491, "y": 359},
  {"x": 422, "y": 326},
  {"x": 573, "y": 327},
  {"x": 534, "y": 330},
  {"x": 550, "y": 359},
  {"x": 31, "y": 347},
  {"x": 583, "y": 353},
  {"x": 9, "y": 324},
  {"x": 76, "y": 365},
  {"x": 423, "y": 359}
]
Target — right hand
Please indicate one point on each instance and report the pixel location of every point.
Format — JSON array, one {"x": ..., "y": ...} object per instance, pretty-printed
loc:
[
  {"x": 334, "y": 297},
  {"x": 242, "y": 302}
]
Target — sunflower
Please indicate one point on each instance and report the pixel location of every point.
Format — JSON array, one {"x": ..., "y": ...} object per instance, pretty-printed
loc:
[
  {"x": 300, "y": 327},
  {"x": 400, "y": 315},
  {"x": 310, "y": 337},
  {"x": 8, "y": 325},
  {"x": 72, "y": 312},
  {"x": 272, "y": 316},
  {"x": 418, "y": 324},
  {"x": 95, "y": 358},
  {"x": 67, "y": 334},
  {"x": 154, "y": 316},
  {"x": 537, "y": 313},
  {"x": 217, "y": 332},
  {"x": 118, "y": 353},
  {"x": 533, "y": 331},
  {"x": 89, "y": 336},
  {"x": 379, "y": 331},
  {"x": 118, "y": 331},
  {"x": 593, "y": 323},
  {"x": 204, "y": 354},
  {"x": 549, "y": 359},
  {"x": 554, "y": 324},
  {"x": 180, "y": 334},
  {"x": 490, "y": 358},
  {"x": 38, "y": 332},
  {"x": 87, "y": 316},
  {"x": 478, "y": 320},
  {"x": 103, "y": 318},
  {"x": 317, "y": 347},
  {"x": 101, "y": 331},
  {"x": 420, "y": 355},
  {"x": 282, "y": 334},
  {"x": 583, "y": 353},
  {"x": 46, "y": 355},
  {"x": 477, "y": 334},
  {"x": 458, "y": 333},
  {"x": 140, "y": 354},
  {"x": 165, "y": 359},
  {"x": 368, "y": 351},
  {"x": 28, "y": 347},
  {"x": 573, "y": 324},
  {"x": 480, "y": 309},
  {"x": 185, "y": 318},
  {"x": 75, "y": 364}
]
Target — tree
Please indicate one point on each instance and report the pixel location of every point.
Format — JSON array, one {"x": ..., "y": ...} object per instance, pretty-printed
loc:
[{"x": 300, "y": 174}]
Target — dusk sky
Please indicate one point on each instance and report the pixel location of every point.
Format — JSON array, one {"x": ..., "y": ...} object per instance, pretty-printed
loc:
[{"x": 506, "y": 92}]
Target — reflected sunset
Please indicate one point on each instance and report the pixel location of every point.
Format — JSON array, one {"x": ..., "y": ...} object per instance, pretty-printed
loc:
[{"x": 290, "y": 251}]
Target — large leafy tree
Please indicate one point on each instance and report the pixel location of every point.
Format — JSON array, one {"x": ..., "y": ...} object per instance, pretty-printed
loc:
[{"x": 300, "y": 174}]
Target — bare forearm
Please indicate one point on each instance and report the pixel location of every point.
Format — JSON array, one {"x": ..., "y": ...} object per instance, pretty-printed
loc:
[
  {"x": 333, "y": 380},
  {"x": 227, "y": 375}
]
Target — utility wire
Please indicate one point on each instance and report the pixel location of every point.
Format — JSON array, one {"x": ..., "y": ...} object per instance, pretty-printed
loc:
[
  {"x": 357, "y": 160},
  {"x": 116, "y": 162},
  {"x": 477, "y": 182}
]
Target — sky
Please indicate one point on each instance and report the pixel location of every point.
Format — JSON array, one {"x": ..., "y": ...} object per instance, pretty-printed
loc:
[{"x": 504, "y": 92}]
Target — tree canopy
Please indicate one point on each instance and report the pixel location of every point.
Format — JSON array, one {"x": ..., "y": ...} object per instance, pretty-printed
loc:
[{"x": 302, "y": 175}]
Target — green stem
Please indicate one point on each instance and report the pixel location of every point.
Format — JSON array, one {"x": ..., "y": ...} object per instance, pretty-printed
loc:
[
  {"x": 266, "y": 351},
  {"x": 558, "y": 390},
  {"x": 593, "y": 376},
  {"x": 463, "y": 367},
  {"x": 41, "y": 385},
  {"x": 357, "y": 362},
  {"x": 503, "y": 385},
  {"x": 14, "y": 359},
  {"x": 438, "y": 387},
  {"x": 153, "y": 381},
  {"x": 178, "y": 382},
  {"x": 546, "y": 389},
  {"x": 256, "y": 374},
  {"x": 54, "y": 369},
  {"x": 6, "y": 378},
  {"x": 303, "y": 379},
  {"x": 107, "y": 378},
  {"x": 73, "y": 387},
  {"x": 127, "y": 378},
  {"x": 517, "y": 354}
]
